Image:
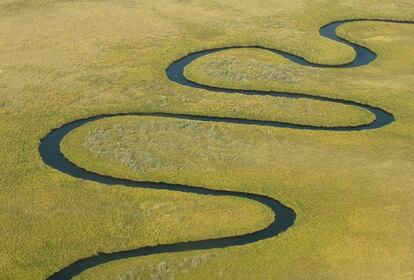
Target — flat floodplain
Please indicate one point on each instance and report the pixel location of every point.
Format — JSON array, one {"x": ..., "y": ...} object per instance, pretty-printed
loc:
[{"x": 352, "y": 192}]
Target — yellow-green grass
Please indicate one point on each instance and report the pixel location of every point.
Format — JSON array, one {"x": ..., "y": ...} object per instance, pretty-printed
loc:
[{"x": 63, "y": 60}]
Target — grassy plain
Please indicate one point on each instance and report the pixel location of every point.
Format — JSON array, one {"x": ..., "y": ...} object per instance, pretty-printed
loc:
[{"x": 353, "y": 192}]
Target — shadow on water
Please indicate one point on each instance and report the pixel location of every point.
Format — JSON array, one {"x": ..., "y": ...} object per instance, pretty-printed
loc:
[{"x": 50, "y": 153}]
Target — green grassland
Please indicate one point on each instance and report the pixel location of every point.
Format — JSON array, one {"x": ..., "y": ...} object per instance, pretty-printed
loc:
[{"x": 352, "y": 192}]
